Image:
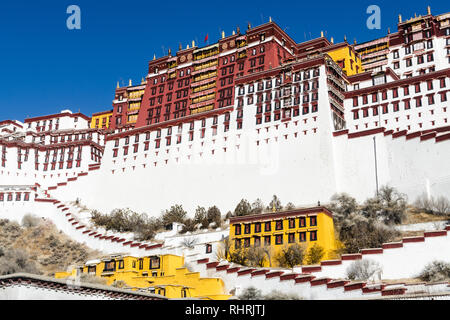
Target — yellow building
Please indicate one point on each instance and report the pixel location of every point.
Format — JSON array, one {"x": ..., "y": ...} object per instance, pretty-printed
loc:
[
  {"x": 164, "y": 275},
  {"x": 101, "y": 120},
  {"x": 273, "y": 231},
  {"x": 346, "y": 57}
]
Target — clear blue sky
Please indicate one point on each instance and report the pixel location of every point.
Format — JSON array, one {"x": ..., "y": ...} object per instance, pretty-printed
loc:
[{"x": 44, "y": 67}]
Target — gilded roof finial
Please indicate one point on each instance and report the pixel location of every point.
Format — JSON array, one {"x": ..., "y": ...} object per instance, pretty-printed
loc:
[
  {"x": 154, "y": 56},
  {"x": 117, "y": 84},
  {"x": 223, "y": 34},
  {"x": 332, "y": 40},
  {"x": 142, "y": 81},
  {"x": 170, "y": 52},
  {"x": 179, "y": 47},
  {"x": 321, "y": 34},
  {"x": 274, "y": 209},
  {"x": 234, "y": 32},
  {"x": 399, "y": 18},
  {"x": 345, "y": 38},
  {"x": 270, "y": 19},
  {"x": 249, "y": 26},
  {"x": 238, "y": 30},
  {"x": 193, "y": 43},
  {"x": 428, "y": 10},
  {"x": 129, "y": 83}
]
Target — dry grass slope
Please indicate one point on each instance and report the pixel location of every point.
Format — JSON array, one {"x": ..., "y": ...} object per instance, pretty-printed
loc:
[{"x": 38, "y": 244}]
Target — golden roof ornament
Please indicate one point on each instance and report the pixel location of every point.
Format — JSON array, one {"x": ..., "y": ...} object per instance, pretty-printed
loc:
[
  {"x": 429, "y": 10},
  {"x": 129, "y": 82},
  {"x": 399, "y": 18},
  {"x": 223, "y": 34}
]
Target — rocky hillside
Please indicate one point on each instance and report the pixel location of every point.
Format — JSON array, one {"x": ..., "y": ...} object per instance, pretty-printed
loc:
[{"x": 37, "y": 246}]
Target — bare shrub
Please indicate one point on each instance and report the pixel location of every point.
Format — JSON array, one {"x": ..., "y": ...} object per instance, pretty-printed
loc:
[
  {"x": 436, "y": 271},
  {"x": 256, "y": 256},
  {"x": 16, "y": 260},
  {"x": 89, "y": 278},
  {"x": 362, "y": 269},
  {"x": 357, "y": 232},
  {"x": 388, "y": 206},
  {"x": 432, "y": 205},
  {"x": 30, "y": 220},
  {"x": 314, "y": 254},
  {"x": 290, "y": 255},
  {"x": 441, "y": 206},
  {"x": 250, "y": 293},
  {"x": 342, "y": 205},
  {"x": 189, "y": 243}
]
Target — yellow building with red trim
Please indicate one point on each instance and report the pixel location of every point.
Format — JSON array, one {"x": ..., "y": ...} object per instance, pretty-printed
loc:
[
  {"x": 160, "y": 274},
  {"x": 101, "y": 120},
  {"x": 275, "y": 230}
]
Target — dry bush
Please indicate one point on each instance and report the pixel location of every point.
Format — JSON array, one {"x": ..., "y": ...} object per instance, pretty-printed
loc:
[
  {"x": 291, "y": 255},
  {"x": 256, "y": 256},
  {"x": 16, "y": 260},
  {"x": 30, "y": 220},
  {"x": 436, "y": 271},
  {"x": 250, "y": 293},
  {"x": 314, "y": 254},
  {"x": 362, "y": 269}
]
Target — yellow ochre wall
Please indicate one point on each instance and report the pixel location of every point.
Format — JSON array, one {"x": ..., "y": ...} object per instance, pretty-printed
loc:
[
  {"x": 100, "y": 118},
  {"x": 324, "y": 228},
  {"x": 171, "y": 279},
  {"x": 352, "y": 62}
]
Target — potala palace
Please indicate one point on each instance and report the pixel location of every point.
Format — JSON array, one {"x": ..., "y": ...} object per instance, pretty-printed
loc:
[{"x": 252, "y": 115}]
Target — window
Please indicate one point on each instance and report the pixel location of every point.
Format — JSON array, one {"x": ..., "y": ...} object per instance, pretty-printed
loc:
[
  {"x": 291, "y": 223},
  {"x": 302, "y": 222},
  {"x": 257, "y": 242},
  {"x": 246, "y": 242},
  {"x": 154, "y": 263},
  {"x": 208, "y": 248},
  {"x": 257, "y": 227},
  {"x": 279, "y": 225},
  {"x": 267, "y": 240},
  {"x": 313, "y": 236},
  {"x": 246, "y": 228},
  {"x": 291, "y": 237},
  {"x": 237, "y": 243},
  {"x": 267, "y": 226},
  {"x": 237, "y": 229},
  {"x": 279, "y": 239},
  {"x": 110, "y": 266},
  {"x": 302, "y": 236},
  {"x": 313, "y": 221}
]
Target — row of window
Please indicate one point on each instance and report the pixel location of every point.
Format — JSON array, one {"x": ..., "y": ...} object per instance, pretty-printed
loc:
[
  {"x": 278, "y": 239},
  {"x": 279, "y": 225},
  {"x": 18, "y": 197},
  {"x": 267, "y": 84},
  {"x": 396, "y": 105},
  {"x": 154, "y": 263},
  {"x": 395, "y": 92}
]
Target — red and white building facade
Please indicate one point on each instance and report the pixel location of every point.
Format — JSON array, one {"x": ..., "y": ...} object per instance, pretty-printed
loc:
[{"x": 253, "y": 115}]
